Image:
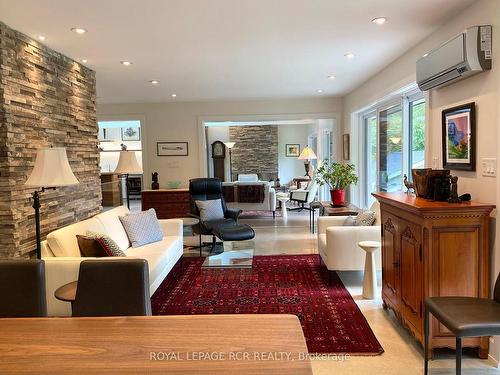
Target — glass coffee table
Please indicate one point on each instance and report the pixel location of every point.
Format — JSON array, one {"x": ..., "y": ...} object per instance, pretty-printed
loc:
[{"x": 237, "y": 254}]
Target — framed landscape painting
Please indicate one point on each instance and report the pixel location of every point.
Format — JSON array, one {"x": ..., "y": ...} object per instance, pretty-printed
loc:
[
  {"x": 292, "y": 150},
  {"x": 459, "y": 128}
]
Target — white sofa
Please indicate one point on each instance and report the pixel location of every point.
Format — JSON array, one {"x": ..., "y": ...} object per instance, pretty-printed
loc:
[
  {"x": 62, "y": 255},
  {"x": 338, "y": 244},
  {"x": 269, "y": 203}
]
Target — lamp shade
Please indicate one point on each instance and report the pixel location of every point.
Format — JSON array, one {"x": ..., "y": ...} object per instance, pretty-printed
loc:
[
  {"x": 127, "y": 163},
  {"x": 307, "y": 154},
  {"x": 230, "y": 145},
  {"x": 51, "y": 169}
]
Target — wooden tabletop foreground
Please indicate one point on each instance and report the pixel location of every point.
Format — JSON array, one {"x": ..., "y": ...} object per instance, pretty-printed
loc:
[{"x": 197, "y": 344}]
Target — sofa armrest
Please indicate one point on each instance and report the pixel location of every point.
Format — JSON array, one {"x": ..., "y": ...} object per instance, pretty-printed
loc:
[
  {"x": 330, "y": 221},
  {"x": 171, "y": 227},
  {"x": 272, "y": 199},
  {"x": 342, "y": 236}
]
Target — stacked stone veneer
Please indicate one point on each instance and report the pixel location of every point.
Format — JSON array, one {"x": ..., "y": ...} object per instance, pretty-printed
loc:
[
  {"x": 255, "y": 151},
  {"x": 45, "y": 99}
]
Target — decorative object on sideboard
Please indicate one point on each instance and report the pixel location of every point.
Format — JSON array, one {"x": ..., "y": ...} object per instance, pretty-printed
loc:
[
  {"x": 459, "y": 137},
  {"x": 338, "y": 177},
  {"x": 229, "y": 146},
  {"x": 127, "y": 165},
  {"x": 432, "y": 183},
  {"x": 277, "y": 185},
  {"x": 408, "y": 184},
  {"x": 172, "y": 149},
  {"x": 346, "y": 147},
  {"x": 292, "y": 150},
  {"x": 51, "y": 170},
  {"x": 465, "y": 197},
  {"x": 154, "y": 184},
  {"x": 307, "y": 155},
  {"x": 454, "y": 191},
  {"x": 419, "y": 177},
  {"x": 173, "y": 184}
]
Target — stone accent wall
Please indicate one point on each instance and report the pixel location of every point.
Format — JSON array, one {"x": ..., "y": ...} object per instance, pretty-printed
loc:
[
  {"x": 255, "y": 151},
  {"x": 45, "y": 99}
]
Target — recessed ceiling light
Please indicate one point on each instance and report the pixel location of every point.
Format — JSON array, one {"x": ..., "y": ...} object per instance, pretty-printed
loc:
[
  {"x": 331, "y": 77},
  {"x": 41, "y": 37},
  {"x": 84, "y": 61},
  {"x": 349, "y": 55},
  {"x": 126, "y": 63},
  {"x": 379, "y": 20},
  {"x": 319, "y": 91},
  {"x": 78, "y": 30},
  {"x": 174, "y": 95},
  {"x": 154, "y": 82}
]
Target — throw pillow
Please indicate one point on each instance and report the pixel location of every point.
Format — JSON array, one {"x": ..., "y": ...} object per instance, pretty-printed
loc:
[
  {"x": 90, "y": 247},
  {"x": 210, "y": 210},
  {"x": 142, "y": 227},
  {"x": 365, "y": 218},
  {"x": 350, "y": 221},
  {"x": 107, "y": 243}
]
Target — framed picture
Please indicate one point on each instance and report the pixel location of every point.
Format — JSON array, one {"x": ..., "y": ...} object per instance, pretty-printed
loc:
[
  {"x": 346, "y": 144},
  {"x": 172, "y": 148},
  {"x": 459, "y": 137},
  {"x": 292, "y": 150},
  {"x": 131, "y": 134}
]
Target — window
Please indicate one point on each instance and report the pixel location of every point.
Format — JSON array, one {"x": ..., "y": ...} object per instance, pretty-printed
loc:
[{"x": 394, "y": 143}]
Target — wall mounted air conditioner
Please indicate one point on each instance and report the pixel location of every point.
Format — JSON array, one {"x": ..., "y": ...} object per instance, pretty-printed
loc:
[{"x": 467, "y": 54}]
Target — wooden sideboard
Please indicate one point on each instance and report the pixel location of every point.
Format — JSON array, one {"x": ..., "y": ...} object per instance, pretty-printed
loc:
[
  {"x": 168, "y": 203},
  {"x": 432, "y": 249}
]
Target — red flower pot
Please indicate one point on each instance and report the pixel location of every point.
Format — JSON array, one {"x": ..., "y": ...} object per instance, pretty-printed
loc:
[{"x": 338, "y": 197}]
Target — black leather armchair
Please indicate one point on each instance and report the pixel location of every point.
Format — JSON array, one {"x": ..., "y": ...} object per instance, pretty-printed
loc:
[{"x": 227, "y": 228}]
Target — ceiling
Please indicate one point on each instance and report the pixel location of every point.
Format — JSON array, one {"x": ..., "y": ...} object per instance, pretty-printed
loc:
[{"x": 229, "y": 49}]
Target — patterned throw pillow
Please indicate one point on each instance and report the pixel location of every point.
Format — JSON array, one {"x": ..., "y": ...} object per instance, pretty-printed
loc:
[
  {"x": 107, "y": 243},
  {"x": 90, "y": 247},
  {"x": 142, "y": 227},
  {"x": 365, "y": 218},
  {"x": 210, "y": 210},
  {"x": 350, "y": 221}
]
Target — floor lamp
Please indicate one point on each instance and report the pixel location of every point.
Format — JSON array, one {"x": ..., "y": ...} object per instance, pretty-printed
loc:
[
  {"x": 127, "y": 165},
  {"x": 51, "y": 170},
  {"x": 307, "y": 154},
  {"x": 230, "y": 145}
]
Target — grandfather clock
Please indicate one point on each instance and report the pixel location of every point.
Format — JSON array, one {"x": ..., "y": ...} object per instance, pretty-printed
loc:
[{"x": 218, "y": 156}]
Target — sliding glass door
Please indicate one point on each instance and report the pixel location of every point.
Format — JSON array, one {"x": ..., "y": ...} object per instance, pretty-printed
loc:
[
  {"x": 371, "y": 131},
  {"x": 391, "y": 148}
]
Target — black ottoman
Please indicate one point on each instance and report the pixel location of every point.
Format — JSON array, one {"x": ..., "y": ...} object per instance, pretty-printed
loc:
[{"x": 237, "y": 232}]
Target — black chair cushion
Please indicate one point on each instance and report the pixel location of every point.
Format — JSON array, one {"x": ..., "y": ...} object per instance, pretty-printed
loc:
[
  {"x": 236, "y": 232},
  {"x": 218, "y": 223},
  {"x": 467, "y": 316}
]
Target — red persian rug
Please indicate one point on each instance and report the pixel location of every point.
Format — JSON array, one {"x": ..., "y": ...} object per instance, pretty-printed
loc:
[{"x": 294, "y": 284}]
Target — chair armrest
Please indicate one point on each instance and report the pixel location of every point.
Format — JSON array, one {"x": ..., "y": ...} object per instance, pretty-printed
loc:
[
  {"x": 171, "y": 227},
  {"x": 272, "y": 199},
  {"x": 330, "y": 221},
  {"x": 233, "y": 213}
]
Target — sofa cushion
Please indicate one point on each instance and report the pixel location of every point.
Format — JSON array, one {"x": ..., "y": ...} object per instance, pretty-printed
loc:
[
  {"x": 142, "y": 227},
  {"x": 107, "y": 243},
  {"x": 63, "y": 242},
  {"x": 113, "y": 226},
  {"x": 90, "y": 247},
  {"x": 365, "y": 218}
]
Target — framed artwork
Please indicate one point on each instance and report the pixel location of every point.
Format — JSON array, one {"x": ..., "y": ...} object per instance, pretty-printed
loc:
[
  {"x": 346, "y": 144},
  {"x": 131, "y": 134},
  {"x": 459, "y": 137},
  {"x": 172, "y": 148},
  {"x": 292, "y": 150}
]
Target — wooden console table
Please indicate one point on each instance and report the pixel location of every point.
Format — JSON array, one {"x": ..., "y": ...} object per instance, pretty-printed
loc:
[
  {"x": 168, "y": 203},
  {"x": 432, "y": 249},
  {"x": 154, "y": 345}
]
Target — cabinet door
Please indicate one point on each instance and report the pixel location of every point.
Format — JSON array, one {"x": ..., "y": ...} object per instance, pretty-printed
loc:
[
  {"x": 411, "y": 273},
  {"x": 390, "y": 259}
]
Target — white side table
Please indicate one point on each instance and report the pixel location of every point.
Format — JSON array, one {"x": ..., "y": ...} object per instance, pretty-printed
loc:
[
  {"x": 370, "y": 278},
  {"x": 283, "y": 198}
]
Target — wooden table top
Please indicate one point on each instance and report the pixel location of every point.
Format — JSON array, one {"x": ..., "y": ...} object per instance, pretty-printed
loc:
[
  {"x": 237, "y": 344},
  {"x": 67, "y": 292},
  {"x": 348, "y": 209}
]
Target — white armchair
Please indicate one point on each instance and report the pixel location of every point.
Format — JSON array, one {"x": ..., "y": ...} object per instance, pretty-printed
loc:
[
  {"x": 338, "y": 244},
  {"x": 304, "y": 196}
]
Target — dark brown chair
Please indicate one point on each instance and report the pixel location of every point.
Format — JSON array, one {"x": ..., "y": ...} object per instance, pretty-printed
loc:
[
  {"x": 113, "y": 288},
  {"x": 22, "y": 288},
  {"x": 464, "y": 317}
]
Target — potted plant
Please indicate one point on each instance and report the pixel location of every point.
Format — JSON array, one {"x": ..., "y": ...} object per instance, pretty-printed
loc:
[{"x": 338, "y": 177}]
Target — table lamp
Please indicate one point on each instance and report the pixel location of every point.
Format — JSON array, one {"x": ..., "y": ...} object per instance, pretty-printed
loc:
[
  {"x": 127, "y": 165},
  {"x": 51, "y": 170},
  {"x": 307, "y": 154},
  {"x": 230, "y": 145}
]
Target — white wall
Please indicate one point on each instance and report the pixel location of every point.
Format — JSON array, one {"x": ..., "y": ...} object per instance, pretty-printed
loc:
[
  {"x": 483, "y": 89},
  {"x": 290, "y": 167},
  {"x": 181, "y": 121}
]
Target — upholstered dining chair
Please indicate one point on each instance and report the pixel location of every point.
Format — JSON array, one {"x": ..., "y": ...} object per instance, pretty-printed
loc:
[
  {"x": 464, "y": 317},
  {"x": 304, "y": 196},
  {"x": 22, "y": 288},
  {"x": 109, "y": 287}
]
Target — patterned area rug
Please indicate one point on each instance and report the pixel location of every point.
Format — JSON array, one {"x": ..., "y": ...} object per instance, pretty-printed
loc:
[
  {"x": 253, "y": 213},
  {"x": 295, "y": 284}
]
